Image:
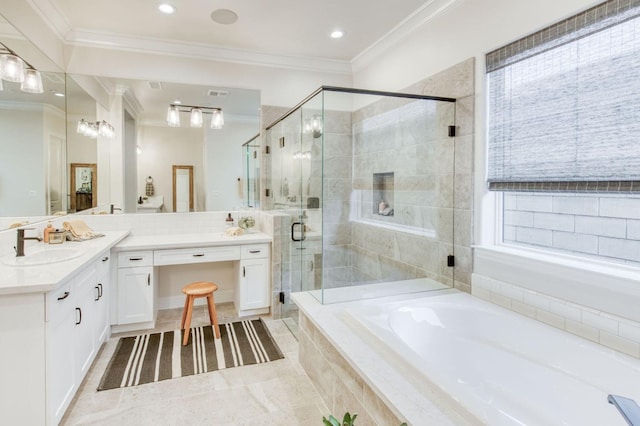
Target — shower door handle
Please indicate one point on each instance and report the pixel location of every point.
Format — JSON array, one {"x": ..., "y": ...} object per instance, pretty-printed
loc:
[{"x": 293, "y": 233}]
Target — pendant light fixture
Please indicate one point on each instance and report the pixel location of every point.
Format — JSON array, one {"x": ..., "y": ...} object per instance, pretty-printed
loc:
[
  {"x": 197, "y": 115},
  {"x": 14, "y": 69}
]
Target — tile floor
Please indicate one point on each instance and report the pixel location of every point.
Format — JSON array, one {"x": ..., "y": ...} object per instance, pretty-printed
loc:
[{"x": 274, "y": 393}]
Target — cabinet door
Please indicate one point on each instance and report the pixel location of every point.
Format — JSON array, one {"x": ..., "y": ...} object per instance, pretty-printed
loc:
[
  {"x": 85, "y": 328},
  {"x": 135, "y": 295},
  {"x": 101, "y": 305},
  {"x": 61, "y": 365},
  {"x": 254, "y": 284},
  {"x": 102, "y": 325}
]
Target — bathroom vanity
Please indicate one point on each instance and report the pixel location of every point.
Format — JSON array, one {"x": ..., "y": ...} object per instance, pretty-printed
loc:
[
  {"x": 53, "y": 320},
  {"x": 135, "y": 303},
  {"x": 59, "y": 303}
]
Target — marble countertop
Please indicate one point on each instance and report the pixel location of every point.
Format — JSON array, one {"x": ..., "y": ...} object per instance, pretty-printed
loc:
[
  {"x": 46, "y": 277},
  {"x": 169, "y": 241}
]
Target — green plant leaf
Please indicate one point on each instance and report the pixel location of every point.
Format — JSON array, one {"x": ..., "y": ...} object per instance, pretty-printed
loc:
[{"x": 332, "y": 421}]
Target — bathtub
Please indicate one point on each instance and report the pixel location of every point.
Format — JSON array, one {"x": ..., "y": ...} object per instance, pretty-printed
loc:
[{"x": 506, "y": 369}]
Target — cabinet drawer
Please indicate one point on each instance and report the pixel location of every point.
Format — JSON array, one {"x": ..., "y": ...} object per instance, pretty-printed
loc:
[
  {"x": 255, "y": 251},
  {"x": 130, "y": 259},
  {"x": 195, "y": 255}
]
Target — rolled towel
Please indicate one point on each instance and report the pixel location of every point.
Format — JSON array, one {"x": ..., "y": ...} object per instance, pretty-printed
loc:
[
  {"x": 79, "y": 230},
  {"x": 233, "y": 231}
]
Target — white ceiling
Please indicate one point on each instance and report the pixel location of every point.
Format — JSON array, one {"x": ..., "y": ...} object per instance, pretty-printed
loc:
[
  {"x": 298, "y": 28},
  {"x": 270, "y": 32}
]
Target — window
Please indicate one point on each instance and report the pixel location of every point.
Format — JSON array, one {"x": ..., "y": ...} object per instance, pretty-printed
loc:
[{"x": 564, "y": 134}]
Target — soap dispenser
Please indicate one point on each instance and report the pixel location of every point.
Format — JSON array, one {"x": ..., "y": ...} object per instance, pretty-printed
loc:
[
  {"x": 229, "y": 221},
  {"x": 46, "y": 232}
]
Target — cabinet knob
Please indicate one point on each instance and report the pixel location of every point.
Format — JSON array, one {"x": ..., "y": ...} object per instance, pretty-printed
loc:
[
  {"x": 255, "y": 251},
  {"x": 105, "y": 258},
  {"x": 80, "y": 316},
  {"x": 134, "y": 259},
  {"x": 198, "y": 255},
  {"x": 64, "y": 296}
]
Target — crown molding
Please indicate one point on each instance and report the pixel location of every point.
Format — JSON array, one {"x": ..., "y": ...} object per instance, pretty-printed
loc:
[
  {"x": 113, "y": 41},
  {"x": 429, "y": 11},
  {"x": 52, "y": 16}
]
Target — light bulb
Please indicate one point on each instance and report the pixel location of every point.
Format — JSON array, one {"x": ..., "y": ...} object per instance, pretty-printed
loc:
[
  {"x": 32, "y": 82},
  {"x": 12, "y": 68},
  {"x": 196, "y": 117},
  {"x": 173, "y": 116},
  {"x": 217, "y": 119}
]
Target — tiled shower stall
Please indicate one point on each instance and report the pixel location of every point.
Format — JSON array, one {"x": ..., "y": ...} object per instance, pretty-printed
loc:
[{"x": 370, "y": 187}]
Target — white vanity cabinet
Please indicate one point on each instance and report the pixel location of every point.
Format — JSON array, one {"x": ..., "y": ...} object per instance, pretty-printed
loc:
[
  {"x": 135, "y": 290},
  {"x": 77, "y": 324},
  {"x": 253, "y": 293}
]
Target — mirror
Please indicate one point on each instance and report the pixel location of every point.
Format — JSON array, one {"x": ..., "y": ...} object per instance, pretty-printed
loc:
[
  {"x": 214, "y": 154},
  {"x": 33, "y": 179},
  {"x": 35, "y": 160}
]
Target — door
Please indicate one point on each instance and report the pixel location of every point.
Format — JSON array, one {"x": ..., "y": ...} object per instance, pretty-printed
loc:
[
  {"x": 182, "y": 188},
  {"x": 297, "y": 193}
]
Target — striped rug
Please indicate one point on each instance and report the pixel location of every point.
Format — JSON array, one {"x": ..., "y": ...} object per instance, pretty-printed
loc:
[{"x": 160, "y": 356}]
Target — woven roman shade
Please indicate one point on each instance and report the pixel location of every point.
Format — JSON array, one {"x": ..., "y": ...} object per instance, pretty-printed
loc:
[{"x": 564, "y": 105}]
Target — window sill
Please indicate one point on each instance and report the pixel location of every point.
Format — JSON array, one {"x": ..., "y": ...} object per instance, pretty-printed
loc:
[{"x": 604, "y": 286}]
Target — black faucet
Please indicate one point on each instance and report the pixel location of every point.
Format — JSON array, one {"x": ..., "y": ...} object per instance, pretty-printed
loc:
[
  {"x": 20, "y": 242},
  {"x": 114, "y": 208}
]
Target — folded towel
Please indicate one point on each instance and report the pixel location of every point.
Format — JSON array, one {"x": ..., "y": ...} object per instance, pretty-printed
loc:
[
  {"x": 233, "y": 231},
  {"x": 78, "y": 230}
]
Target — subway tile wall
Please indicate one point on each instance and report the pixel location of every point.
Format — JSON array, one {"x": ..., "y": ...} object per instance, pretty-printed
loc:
[
  {"x": 614, "y": 332},
  {"x": 601, "y": 225}
]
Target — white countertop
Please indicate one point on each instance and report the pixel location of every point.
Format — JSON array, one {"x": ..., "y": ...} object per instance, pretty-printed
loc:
[
  {"x": 169, "y": 241},
  {"x": 44, "y": 278}
]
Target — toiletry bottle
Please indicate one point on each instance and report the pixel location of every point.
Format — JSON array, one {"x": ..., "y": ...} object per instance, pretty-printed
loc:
[
  {"x": 229, "y": 221},
  {"x": 381, "y": 206},
  {"x": 46, "y": 232}
]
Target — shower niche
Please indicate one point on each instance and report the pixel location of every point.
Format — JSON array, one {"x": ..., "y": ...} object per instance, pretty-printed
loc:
[{"x": 382, "y": 190}]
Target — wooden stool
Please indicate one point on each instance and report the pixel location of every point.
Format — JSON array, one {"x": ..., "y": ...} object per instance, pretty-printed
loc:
[{"x": 193, "y": 291}]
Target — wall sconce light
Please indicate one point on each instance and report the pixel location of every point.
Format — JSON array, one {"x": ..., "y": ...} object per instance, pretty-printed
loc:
[
  {"x": 93, "y": 130},
  {"x": 14, "y": 69},
  {"x": 197, "y": 118},
  {"x": 313, "y": 125}
]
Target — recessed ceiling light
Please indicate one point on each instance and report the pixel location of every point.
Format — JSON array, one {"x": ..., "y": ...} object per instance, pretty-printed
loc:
[
  {"x": 177, "y": 102},
  {"x": 224, "y": 16},
  {"x": 337, "y": 34},
  {"x": 58, "y": 94},
  {"x": 166, "y": 8}
]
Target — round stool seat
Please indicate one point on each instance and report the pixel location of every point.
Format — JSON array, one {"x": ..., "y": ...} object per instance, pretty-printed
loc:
[{"x": 201, "y": 288}]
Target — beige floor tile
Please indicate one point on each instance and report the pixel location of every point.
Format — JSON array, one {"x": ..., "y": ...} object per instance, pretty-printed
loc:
[{"x": 273, "y": 393}]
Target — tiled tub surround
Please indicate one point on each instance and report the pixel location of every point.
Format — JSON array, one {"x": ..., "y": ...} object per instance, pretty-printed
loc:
[
  {"x": 587, "y": 298},
  {"x": 365, "y": 357},
  {"x": 353, "y": 372}
]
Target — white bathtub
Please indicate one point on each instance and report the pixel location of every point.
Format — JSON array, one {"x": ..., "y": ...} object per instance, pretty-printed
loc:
[{"x": 506, "y": 369}]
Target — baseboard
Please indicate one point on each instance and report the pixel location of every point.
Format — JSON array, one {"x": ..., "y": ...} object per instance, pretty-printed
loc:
[{"x": 174, "y": 302}]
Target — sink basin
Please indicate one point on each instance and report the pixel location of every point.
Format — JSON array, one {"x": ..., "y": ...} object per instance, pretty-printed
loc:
[{"x": 43, "y": 257}]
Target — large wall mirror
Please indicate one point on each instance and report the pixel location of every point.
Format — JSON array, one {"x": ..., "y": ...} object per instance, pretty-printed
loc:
[
  {"x": 40, "y": 141},
  {"x": 33, "y": 177},
  {"x": 215, "y": 154}
]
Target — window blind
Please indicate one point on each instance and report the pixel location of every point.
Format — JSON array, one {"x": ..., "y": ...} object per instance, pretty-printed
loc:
[{"x": 564, "y": 105}]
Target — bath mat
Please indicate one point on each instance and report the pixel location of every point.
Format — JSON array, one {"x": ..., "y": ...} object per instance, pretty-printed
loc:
[{"x": 148, "y": 358}]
